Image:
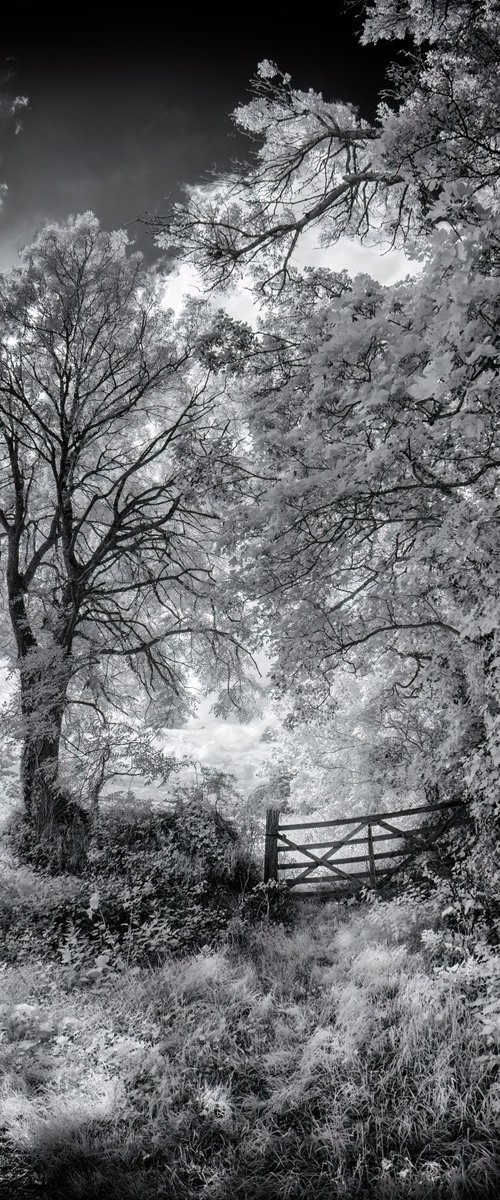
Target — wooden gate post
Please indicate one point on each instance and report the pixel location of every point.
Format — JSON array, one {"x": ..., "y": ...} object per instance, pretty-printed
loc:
[
  {"x": 271, "y": 848},
  {"x": 371, "y": 859}
]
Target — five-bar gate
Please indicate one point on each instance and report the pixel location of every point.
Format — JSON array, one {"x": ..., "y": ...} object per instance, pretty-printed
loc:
[{"x": 376, "y": 858}]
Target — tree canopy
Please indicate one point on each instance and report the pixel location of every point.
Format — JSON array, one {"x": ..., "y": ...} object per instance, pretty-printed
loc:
[
  {"x": 430, "y": 159},
  {"x": 370, "y": 533}
]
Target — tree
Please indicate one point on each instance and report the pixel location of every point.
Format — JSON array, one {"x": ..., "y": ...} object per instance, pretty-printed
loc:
[
  {"x": 369, "y": 532},
  {"x": 115, "y": 446},
  {"x": 375, "y": 417},
  {"x": 429, "y": 160}
]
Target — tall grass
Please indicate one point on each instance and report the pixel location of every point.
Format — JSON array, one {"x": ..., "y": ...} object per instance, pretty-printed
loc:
[{"x": 353, "y": 1055}]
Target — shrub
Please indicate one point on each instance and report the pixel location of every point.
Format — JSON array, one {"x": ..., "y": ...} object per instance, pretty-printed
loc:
[
  {"x": 60, "y": 846},
  {"x": 162, "y": 882},
  {"x": 461, "y": 873},
  {"x": 155, "y": 883},
  {"x": 269, "y": 902},
  {"x": 149, "y": 844}
]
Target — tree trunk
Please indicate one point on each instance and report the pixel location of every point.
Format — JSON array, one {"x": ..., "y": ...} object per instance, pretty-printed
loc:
[
  {"x": 39, "y": 767},
  {"x": 58, "y": 827},
  {"x": 44, "y": 682}
]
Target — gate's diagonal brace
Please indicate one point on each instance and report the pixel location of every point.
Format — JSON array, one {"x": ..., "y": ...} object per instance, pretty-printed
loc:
[
  {"x": 323, "y": 860},
  {"x": 405, "y": 835},
  {"x": 418, "y": 849},
  {"x": 414, "y": 844}
]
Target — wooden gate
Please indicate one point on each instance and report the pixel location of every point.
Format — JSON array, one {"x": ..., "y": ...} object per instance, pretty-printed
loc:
[{"x": 372, "y": 864}]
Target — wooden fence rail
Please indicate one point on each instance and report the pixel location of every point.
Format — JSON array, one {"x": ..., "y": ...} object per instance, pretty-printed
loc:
[{"x": 413, "y": 841}]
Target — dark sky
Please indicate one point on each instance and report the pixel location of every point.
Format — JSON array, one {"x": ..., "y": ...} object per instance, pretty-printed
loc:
[{"x": 124, "y": 109}]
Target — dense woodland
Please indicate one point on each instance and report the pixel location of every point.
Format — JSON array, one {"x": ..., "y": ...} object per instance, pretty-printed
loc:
[{"x": 185, "y": 497}]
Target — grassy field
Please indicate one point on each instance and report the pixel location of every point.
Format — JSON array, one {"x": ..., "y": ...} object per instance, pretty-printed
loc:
[{"x": 354, "y": 1053}]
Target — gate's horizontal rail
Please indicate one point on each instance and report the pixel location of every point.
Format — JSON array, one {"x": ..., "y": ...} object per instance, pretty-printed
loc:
[
  {"x": 332, "y": 882},
  {"x": 372, "y": 818},
  {"x": 414, "y": 843},
  {"x": 355, "y": 841},
  {"x": 342, "y": 862}
]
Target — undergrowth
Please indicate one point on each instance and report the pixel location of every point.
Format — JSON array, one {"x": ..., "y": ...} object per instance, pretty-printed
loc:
[
  {"x": 352, "y": 1052},
  {"x": 156, "y": 883}
]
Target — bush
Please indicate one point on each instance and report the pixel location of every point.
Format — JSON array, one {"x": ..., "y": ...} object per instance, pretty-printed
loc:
[
  {"x": 57, "y": 844},
  {"x": 155, "y": 883},
  {"x": 166, "y": 881},
  {"x": 268, "y": 902},
  {"x": 461, "y": 872},
  {"x": 35, "y": 910},
  {"x": 140, "y": 841},
  {"x": 163, "y": 882}
]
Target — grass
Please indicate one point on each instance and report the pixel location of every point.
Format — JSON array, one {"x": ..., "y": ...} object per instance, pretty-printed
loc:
[{"x": 354, "y": 1055}]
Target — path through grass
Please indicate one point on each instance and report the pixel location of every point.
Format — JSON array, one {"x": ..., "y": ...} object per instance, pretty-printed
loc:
[{"x": 350, "y": 1056}]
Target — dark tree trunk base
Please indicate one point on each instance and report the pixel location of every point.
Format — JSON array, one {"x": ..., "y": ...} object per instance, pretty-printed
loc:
[{"x": 56, "y": 837}]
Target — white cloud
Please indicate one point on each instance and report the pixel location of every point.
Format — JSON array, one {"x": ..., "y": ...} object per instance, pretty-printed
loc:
[
  {"x": 386, "y": 266},
  {"x": 222, "y": 745},
  {"x": 186, "y": 281}
]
